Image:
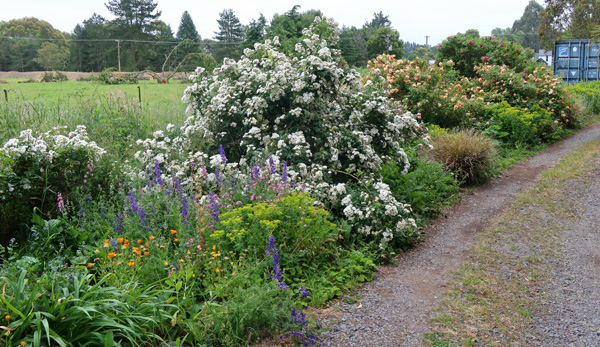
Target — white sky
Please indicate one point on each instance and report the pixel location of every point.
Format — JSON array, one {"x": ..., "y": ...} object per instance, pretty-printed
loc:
[{"x": 414, "y": 19}]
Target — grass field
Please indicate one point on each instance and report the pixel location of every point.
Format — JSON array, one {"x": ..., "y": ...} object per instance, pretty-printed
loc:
[{"x": 112, "y": 113}]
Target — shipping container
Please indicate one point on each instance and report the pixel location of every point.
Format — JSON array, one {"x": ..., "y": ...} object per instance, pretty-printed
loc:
[{"x": 577, "y": 60}]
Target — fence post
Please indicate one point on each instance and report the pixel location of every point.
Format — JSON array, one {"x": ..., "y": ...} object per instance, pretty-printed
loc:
[
  {"x": 6, "y": 95},
  {"x": 140, "y": 95}
]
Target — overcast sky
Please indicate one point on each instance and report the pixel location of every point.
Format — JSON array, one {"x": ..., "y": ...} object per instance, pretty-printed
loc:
[{"x": 414, "y": 19}]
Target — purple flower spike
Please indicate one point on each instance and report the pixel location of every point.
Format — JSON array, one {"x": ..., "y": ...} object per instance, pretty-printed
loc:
[{"x": 222, "y": 152}]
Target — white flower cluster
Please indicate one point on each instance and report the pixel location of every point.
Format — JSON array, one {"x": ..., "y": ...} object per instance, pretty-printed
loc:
[
  {"x": 47, "y": 144},
  {"x": 303, "y": 108}
]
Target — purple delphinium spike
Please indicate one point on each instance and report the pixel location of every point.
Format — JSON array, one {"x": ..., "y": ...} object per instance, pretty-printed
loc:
[
  {"x": 215, "y": 207},
  {"x": 222, "y": 152},
  {"x": 158, "y": 173},
  {"x": 276, "y": 273},
  {"x": 272, "y": 164},
  {"x": 254, "y": 173},
  {"x": 284, "y": 172},
  {"x": 218, "y": 176}
]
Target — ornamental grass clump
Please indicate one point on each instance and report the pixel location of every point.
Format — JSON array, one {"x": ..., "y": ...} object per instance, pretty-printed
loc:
[{"x": 467, "y": 152}]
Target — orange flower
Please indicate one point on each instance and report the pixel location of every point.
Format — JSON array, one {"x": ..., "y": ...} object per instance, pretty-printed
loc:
[
  {"x": 166, "y": 263},
  {"x": 131, "y": 263},
  {"x": 175, "y": 239},
  {"x": 7, "y": 317},
  {"x": 120, "y": 240},
  {"x": 139, "y": 241},
  {"x": 217, "y": 270},
  {"x": 151, "y": 237},
  {"x": 214, "y": 247},
  {"x": 90, "y": 265},
  {"x": 138, "y": 252},
  {"x": 111, "y": 255},
  {"x": 173, "y": 231},
  {"x": 146, "y": 253}
]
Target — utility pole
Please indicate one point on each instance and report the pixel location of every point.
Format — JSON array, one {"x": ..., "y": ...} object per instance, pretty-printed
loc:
[
  {"x": 426, "y": 41},
  {"x": 119, "y": 53}
]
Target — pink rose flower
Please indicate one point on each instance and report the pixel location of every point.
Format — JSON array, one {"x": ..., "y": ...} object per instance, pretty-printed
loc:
[{"x": 471, "y": 42}]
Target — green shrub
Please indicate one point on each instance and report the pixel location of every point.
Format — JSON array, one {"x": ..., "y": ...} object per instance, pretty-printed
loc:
[
  {"x": 468, "y": 52},
  {"x": 107, "y": 76},
  {"x": 589, "y": 93},
  {"x": 300, "y": 227},
  {"x": 35, "y": 170},
  {"x": 427, "y": 187},
  {"x": 522, "y": 127},
  {"x": 534, "y": 86},
  {"x": 467, "y": 152},
  {"x": 56, "y": 76}
]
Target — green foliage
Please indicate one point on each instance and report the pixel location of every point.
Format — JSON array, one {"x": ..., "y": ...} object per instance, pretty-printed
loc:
[
  {"x": 467, "y": 152},
  {"x": 515, "y": 126},
  {"x": 288, "y": 27},
  {"x": 468, "y": 52},
  {"x": 568, "y": 19},
  {"x": 427, "y": 187},
  {"x": 300, "y": 228},
  {"x": 382, "y": 40},
  {"x": 18, "y": 52},
  {"x": 51, "y": 56},
  {"x": 526, "y": 27},
  {"x": 107, "y": 76},
  {"x": 56, "y": 76},
  {"x": 45, "y": 311},
  {"x": 589, "y": 93},
  {"x": 33, "y": 181}
]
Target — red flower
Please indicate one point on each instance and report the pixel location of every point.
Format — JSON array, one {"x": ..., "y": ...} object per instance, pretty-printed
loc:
[
  {"x": 471, "y": 42},
  {"x": 481, "y": 44}
]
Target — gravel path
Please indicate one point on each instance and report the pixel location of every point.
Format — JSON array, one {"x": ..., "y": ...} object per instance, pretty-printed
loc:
[
  {"x": 394, "y": 309},
  {"x": 573, "y": 311}
]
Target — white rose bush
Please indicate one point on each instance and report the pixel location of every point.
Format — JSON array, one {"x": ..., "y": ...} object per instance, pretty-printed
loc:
[{"x": 303, "y": 111}]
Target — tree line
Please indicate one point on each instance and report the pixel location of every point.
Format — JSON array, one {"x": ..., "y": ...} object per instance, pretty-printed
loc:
[{"x": 138, "y": 40}]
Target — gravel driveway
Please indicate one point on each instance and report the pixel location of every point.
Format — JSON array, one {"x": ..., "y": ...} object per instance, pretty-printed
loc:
[{"x": 394, "y": 309}]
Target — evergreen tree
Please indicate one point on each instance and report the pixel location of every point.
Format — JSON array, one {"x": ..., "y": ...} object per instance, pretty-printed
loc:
[
  {"x": 255, "y": 32},
  {"x": 378, "y": 21},
  {"x": 187, "y": 29},
  {"x": 288, "y": 27},
  {"x": 134, "y": 20},
  {"x": 229, "y": 37},
  {"x": 89, "y": 49},
  {"x": 353, "y": 46}
]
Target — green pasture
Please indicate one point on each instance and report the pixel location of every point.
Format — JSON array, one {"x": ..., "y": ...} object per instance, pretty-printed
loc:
[{"x": 113, "y": 114}]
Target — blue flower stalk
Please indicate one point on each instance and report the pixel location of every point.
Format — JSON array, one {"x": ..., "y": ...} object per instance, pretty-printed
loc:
[
  {"x": 215, "y": 207},
  {"x": 276, "y": 273}
]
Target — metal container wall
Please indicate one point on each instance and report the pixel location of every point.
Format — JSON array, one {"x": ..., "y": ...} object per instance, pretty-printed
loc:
[{"x": 577, "y": 60}]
